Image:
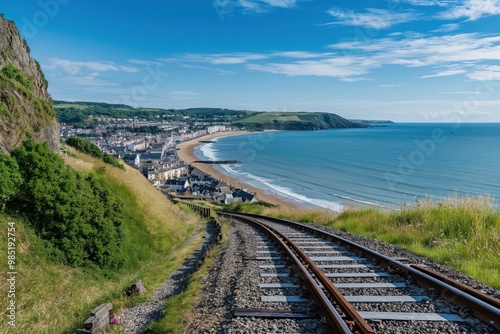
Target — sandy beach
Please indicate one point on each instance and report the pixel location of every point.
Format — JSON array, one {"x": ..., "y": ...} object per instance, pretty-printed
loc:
[{"x": 186, "y": 153}]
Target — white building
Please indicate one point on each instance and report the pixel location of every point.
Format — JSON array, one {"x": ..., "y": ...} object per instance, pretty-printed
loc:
[{"x": 216, "y": 128}]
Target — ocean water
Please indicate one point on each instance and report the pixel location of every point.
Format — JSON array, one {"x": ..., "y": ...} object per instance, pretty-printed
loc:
[{"x": 379, "y": 166}]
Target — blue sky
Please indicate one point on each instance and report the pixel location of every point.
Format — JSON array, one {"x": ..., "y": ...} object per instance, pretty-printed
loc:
[{"x": 404, "y": 60}]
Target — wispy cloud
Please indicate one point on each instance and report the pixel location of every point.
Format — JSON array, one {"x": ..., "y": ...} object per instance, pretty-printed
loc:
[
  {"x": 71, "y": 73},
  {"x": 224, "y": 7},
  {"x": 372, "y": 18},
  {"x": 221, "y": 58},
  {"x": 429, "y": 3},
  {"x": 485, "y": 73},
  {"x": 447, "y": 27},
  {"x": 237, "y": 59},
  {"x": 302, "y": 54},
  {"x": 145, "y": 62},
  {"x": 443, "y": 74},
  {"x": 75, "y": 67},
  {"x": 463, "y": 51},
  {"x": 472, "y": 9},
  {"x": 280, "y": 3},
  {"x": 90, "y": 80},
  {"x": 344, "y": 68},
  {"x": 461, "y": 114},
  {"x": 455, "y": 54},
  {"x": 217, "y": 70}
]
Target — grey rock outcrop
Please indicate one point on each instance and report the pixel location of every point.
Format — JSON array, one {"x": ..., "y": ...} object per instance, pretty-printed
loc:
[{"x": 25, "y": 107}]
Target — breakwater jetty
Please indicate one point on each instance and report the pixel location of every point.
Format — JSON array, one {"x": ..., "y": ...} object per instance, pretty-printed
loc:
[{"x": 217, "y": 162}]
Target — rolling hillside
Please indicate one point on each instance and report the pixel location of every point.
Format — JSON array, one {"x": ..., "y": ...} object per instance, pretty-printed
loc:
[{"x": 295, "y": 121}]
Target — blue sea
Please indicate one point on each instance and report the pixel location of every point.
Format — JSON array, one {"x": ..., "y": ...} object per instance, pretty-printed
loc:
[{"x": 386, "y": 167}]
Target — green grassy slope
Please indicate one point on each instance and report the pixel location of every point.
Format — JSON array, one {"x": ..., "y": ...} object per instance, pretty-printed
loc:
[
  {"x": 295, "y": 121},
  {"x": 55, "y": 298},
  {"x": 461, "y": 233}
]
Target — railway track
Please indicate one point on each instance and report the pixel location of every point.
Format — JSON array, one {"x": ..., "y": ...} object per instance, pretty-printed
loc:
[{"x": 305, "y": 272}]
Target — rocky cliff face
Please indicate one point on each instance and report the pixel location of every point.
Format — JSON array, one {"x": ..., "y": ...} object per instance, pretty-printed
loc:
[{"x": 25, "y": 105}]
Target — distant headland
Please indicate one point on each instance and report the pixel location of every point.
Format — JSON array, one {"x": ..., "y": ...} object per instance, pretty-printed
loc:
[{"x": 85, "y": 114}]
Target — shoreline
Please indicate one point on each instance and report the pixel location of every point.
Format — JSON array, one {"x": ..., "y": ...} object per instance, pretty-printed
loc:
[{"x": 186, "y": 153}]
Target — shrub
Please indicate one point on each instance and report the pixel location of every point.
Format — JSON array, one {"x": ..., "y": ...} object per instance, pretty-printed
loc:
[
  {"x": 75, "y": 212},
  {"x": 108, "y": 158},
  {"x": 10, "y": 178},
  {"x": 85, "y": 146}
]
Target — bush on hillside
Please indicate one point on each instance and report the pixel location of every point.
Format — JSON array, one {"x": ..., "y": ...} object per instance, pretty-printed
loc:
[
  {"x": 87, "y": 147},
  {"x": 109, "y": 159},
  {"x": 75, "y": 212},
  {"x": 10, "y": 179}
]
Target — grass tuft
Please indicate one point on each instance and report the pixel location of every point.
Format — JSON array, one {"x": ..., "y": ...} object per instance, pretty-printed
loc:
[{"x": 463, "y": 233}]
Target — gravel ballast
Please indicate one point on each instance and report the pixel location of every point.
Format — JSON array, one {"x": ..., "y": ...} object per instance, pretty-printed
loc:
[
  {"x": 233, "y": 282},
  {"x": 136, "y": 319}
]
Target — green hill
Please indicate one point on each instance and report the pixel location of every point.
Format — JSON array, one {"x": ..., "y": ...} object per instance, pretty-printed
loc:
[
  {"x": 295, "y": 121},
  {"x": 84, "y": 113}
]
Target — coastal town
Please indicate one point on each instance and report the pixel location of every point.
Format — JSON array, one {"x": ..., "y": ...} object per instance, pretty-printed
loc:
[{"x": 154, "y": 154}]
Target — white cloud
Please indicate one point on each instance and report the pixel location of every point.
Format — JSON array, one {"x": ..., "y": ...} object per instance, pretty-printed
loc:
[
  {"x": 90, "y": 80},
  {"x": 455, "y": 114},
  {"x": 472, "y": 10},
  {"x": 465, "y": 54},
  {"x": 70, "y": 73},
  {"x": 302, "y": 54},
  {"x": 224, "y": 7},
  {"x": 443, "y": 74},
  {"x": 235, "y": 59},
  {"x": 76, "y": 67},
  {"x": 408, "y": 62},
  {"x": 427, "y": 51},
  {"x": 280, "y": 3},
  {"x": 249, "y": 5},
  {"x": 339, "y": 67},
  {"x": 207, "y": 68},
  {"x": 145, "y": 62},
  {"x": 428, "y": 3},
  {"x": 221, "y": 58},
  {"x": 447, "y": 27},
  {"x": 485, "y": 73},
  {"x": 372, "y": 18}
]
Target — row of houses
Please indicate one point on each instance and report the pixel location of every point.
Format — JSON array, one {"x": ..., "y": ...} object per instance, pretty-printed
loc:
[
  {"x": 155, "y": 156},
  {"x": 197, "y": 185}
]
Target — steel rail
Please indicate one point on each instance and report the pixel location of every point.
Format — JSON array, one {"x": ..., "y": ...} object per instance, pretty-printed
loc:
[
  {"x": 471, "y": 291},
  {"x": 355, "y": 322},
  {"x": 331, "y": 315},
  {"x": 476, "y": 307}
]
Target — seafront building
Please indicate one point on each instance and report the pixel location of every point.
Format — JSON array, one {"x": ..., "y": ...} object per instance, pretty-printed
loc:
[{"x": 155, "y": 156}]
